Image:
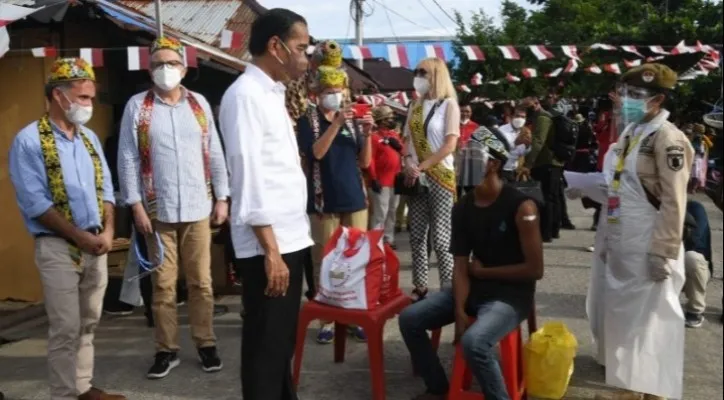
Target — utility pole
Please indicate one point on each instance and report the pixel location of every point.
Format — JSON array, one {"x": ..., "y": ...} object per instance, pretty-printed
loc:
[
  {"x": 358, "y": 29},
  {"x": 159, "y": 19}
]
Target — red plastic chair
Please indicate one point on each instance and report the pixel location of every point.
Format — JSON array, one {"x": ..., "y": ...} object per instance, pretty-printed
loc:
[
  {"x": 511, "y": 363},
  {"x": 372, "y": 321}
]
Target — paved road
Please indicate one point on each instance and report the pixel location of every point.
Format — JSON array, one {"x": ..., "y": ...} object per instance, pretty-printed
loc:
[{"x": 125, "y": 347}]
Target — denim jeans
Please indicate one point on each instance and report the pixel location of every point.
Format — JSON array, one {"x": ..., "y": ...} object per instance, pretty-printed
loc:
[{"x": 495, "y": 320}]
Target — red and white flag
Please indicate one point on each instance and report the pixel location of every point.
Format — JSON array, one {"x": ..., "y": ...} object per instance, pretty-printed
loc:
[
  {"x": 654, "y": 59},
  {"x": 435, "y": 50},
  {"x": 658, "y": 50},
  {"x": 594, "y": 69},
  {"x": 509, "y": 52},
  {"x": 231, "y": 40},
  {"x": 602, "y": 46},
  {"x": 530, "y": 72},
  {"x": 632, "y": 50},
  {"x": 44, "y": 52},
  {"x": 94, "y": 57},
  {"x": 612, "y": 68},
  {"x": 360, "y": 52},
  {"x": 400, "y": 97},
  {"x": 632, "y": 63},
  {"x": 495, "y": 82},
  {"x": 397, "y": 56},
  {"x": 477, "y": 79},
  {"x": 541, "y": 53},
  {"x": 138, "y": 58},
  {"x": 571, "y": 67},
  {"x": 554, "y": 73},
  {"x": 474, "y": 53},
  {"x": 511, "y": 78},
  {"x": 190, "y": 54},
  {"x": 682, "y": 48},
  {"x": 489, "y": 104},
  {"x": 8, "y": 14},
  {"x": 464, "y": 88},
  {"x": 570, "y": 52}
]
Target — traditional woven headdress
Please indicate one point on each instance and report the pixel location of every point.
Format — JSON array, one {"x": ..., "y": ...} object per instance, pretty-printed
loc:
[
  {"x": 167, "y": 43},
  {"x": 70, "y": 69},
  {"x": 328, "y": 53},
  {"x": 330, "y": 77}
]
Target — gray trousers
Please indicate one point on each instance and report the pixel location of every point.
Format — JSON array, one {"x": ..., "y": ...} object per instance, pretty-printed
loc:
[{"x": 384, "y": 211}]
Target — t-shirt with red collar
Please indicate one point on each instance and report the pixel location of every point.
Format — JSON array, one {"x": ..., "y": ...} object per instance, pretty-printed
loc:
[
  {"x": 466, "y": 132},
  {"x": 386, "y": 162}
]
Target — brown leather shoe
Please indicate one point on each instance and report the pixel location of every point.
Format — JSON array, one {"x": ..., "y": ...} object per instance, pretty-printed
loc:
[{"x": 97, "y": 394}]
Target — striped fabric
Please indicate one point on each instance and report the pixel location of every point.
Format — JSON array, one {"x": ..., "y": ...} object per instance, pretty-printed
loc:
[{"x": 178, "y": 165}]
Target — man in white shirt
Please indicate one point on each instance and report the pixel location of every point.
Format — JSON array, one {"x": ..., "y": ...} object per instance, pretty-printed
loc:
[
  {"x": 269, "y": 223},
  {"x": 519, "y": 143}
]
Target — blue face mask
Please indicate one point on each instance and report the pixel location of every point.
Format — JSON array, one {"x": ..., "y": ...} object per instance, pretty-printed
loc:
[{"x": 633, "y": 110}]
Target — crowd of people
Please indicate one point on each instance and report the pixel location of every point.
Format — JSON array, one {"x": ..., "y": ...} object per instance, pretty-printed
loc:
[{"x": 291, "y": 157}]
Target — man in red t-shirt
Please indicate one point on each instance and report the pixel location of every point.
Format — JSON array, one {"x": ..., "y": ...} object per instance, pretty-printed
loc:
[
  {"x": 385, "y": 165},
  {"x": 467, "y": 126}
]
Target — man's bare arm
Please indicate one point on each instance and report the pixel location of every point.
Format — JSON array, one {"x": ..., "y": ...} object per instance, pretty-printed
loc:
[
  {"x": 56, "y": 222},
  {"x": 109, "y": 218},
  {"x": 461, "y": 284},
  {"x": 265, "y": 235}
]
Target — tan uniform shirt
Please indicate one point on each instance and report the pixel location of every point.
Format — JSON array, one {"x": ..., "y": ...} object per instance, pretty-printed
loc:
[{"x": 664, "y": 167}]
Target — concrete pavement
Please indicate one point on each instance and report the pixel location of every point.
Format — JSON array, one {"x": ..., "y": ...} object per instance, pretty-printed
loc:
[{"x": 124, "y": 346}]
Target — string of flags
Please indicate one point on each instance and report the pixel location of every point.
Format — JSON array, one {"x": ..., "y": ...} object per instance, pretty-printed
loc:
[{"x": 138, "y": 57}]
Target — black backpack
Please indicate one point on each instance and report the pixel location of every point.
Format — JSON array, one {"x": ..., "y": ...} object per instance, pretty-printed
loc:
[{"x": 565, "y": 137}]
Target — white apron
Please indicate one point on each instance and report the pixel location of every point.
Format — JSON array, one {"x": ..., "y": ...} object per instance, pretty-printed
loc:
[
  {"x": 644, "y": 322},
  {"x": 595, "y": 304}
]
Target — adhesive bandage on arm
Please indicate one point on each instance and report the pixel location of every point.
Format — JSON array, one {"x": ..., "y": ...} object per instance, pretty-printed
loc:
[{"x": 530, "y": 218}]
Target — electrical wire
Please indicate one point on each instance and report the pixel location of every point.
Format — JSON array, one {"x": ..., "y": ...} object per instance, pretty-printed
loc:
[
  {"x": 435, "y": 18},
  {"x": 392, "y": 28},
  {"x": 400, "y": 15},
  {"x": 444, "y": 12}
]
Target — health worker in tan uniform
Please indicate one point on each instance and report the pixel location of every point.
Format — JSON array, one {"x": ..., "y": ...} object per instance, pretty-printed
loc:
[{"x": 643, "y": 319}]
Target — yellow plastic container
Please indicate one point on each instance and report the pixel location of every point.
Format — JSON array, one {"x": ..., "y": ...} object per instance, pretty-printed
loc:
[{"x": 549, "y": 356}]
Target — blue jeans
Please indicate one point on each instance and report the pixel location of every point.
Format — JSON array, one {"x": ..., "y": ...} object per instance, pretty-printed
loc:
[{"x": 495, "y": 320}]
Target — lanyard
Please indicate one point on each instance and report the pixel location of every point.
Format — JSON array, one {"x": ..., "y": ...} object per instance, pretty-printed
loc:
[
  {"x": 146, "y": 266},
  {"x": 629, "y": 145}
]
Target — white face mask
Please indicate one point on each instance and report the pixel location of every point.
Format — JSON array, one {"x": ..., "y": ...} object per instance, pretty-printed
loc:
[
  {"x": 332, "y": 101},
  {"x": 167, "y": 77},
  {"x": 78, "y": 114},
  {"x": 421, "y": 85},
  {"x": 518, "y": 123}
]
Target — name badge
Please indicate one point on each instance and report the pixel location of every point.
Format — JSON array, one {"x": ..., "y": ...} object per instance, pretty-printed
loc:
[{"x": 614, "y": 209}]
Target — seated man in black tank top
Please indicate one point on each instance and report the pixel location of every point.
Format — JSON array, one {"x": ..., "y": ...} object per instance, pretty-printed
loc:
[{"x": 498, "y": 252}]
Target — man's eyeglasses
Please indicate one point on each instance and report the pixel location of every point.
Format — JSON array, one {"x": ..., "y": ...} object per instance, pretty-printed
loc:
[
  {"x": 173, "y": 63},
  {"x": 420, "y": 72}
]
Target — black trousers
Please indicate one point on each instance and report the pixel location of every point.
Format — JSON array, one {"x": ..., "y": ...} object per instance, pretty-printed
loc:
[
  {"x": 565, "y": 219},
  {"x": 551, "y": 179},
  {"x": 269, "y": 331}
]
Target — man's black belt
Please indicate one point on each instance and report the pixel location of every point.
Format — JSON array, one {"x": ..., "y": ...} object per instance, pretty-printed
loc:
[{"x": 94, "y": 231}]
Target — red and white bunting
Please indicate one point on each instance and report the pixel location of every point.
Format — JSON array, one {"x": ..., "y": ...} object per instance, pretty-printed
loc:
[
  {"x": 554, "y": 73},
  {"x": 474, "y": 53},
  {"x": 658, "y": 50},
  {"x": 464, "y": 88},
  {"x": 94, "y": 57},
  {"x": 435, "y": 50},
  {"x": 571, "y": 67},
  {"x": 530, "y": 73},
  {"x": 8, "y": 14},
  {"x": 231, "y": 40},
  {"x": 360, "y": 52},
  {"x": 682, "y": 48},
  {"x": 44, "y": 52},
  {"x": 138, "y": 58},
  {"x": 541, "y": 53},
  {"x": 654, "y": 59},
  {"x": 632, "y": 50},
  {"x": 601, "y": 46},
  {"x": 190, "y": 54},
  {"x": 632, "y": 63},
  {"x": 612, "y": 68},
  {"x": 400, "y": 97},
  {"x": 511, "y": 78},
  {"x": 509, "y": 52},
  {"x": 570, "y": 52},
  {"x": 397, "y": 56},
  {"x": 477, "y": 79},
  {"x": 594, "y": 69},
  {"x": 708, "y": 64}
]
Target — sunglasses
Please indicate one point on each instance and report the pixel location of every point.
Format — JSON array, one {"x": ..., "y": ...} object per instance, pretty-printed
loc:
[{"x": 419, "y": 72}]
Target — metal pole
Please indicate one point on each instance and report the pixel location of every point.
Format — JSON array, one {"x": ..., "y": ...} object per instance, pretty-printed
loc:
[
  {"x": 358, "y": 29},
  {"x": 159, "y": 19}
]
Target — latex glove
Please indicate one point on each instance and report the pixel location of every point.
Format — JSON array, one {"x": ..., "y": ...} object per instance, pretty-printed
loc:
[
  {"x": 659, "y": 268},
  {"x": 574, "y": 193}
]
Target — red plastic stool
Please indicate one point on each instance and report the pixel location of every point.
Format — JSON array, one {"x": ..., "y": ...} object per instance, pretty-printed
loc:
[
  {"x": 511, "y": 363},
  {"x": 373, "y": 323}
]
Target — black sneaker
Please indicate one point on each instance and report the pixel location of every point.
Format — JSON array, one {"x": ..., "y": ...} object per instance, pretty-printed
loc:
[
  {"x": 164, "y": 363},
  {"x": 210, "y": 361},
  {"x": 694, "y": 320}
]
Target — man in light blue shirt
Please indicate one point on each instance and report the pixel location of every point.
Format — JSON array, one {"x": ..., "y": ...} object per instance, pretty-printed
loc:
[{"x": 65, "y": 194}]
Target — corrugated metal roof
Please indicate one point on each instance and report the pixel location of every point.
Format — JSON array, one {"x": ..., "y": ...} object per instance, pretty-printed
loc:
[
  {"x": 202, "y": 19},
  {"x": 21, "y": 3}
]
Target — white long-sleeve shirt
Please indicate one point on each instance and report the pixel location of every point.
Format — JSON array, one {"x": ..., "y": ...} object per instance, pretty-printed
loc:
[
  {"x": 268, "y": 186},
  {"x": 516, "y": 152}
]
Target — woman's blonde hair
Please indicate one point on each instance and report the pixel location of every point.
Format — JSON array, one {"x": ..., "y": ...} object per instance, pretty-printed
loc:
[{"x": 441, "y": 86}]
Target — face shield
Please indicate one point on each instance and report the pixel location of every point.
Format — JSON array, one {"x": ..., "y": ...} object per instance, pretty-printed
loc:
[
  {"x": 475, "y": 159},
  {"x": 633, "y": 103}
]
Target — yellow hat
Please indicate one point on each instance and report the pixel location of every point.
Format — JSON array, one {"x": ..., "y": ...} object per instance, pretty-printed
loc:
[
  {"x": 166, "y": 43},
  {"x": 70, "y": 69},
  {"x": 329, "y": 77},
  {"x": 651, "y": 76},
  {"x": 328, "y": 53}
]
